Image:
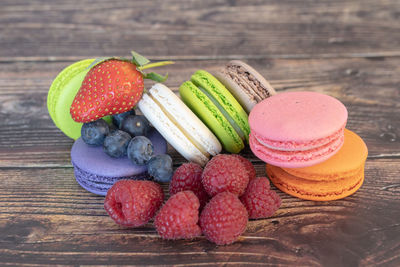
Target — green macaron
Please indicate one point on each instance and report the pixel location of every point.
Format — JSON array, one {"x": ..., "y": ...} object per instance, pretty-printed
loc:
[
  {"x": 218, "y": 109},
  {"x": 61, "y": 94}
]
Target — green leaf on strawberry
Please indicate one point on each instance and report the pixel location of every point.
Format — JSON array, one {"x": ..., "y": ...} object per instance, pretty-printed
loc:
[
  {"x": 156, "y": 77},
  {"x": 138, "y": 59}
]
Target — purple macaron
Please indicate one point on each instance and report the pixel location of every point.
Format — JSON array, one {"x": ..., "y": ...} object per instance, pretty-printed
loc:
[{"x": 96, "y": 172}]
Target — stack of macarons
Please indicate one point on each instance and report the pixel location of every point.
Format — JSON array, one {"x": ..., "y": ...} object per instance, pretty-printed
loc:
[
  {"x": 211, "y": 114},
  {"x": 309, "y": 153},
  {"x": 223, "y": 100},
  {"x": 300, "y": 135}
]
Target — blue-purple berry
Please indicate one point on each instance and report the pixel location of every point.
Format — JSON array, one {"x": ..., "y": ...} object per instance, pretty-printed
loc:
[
  {"x": 116, "y": 143},
  {"x": 93, "y": 133},
  {"x": 118, "y": 118},
  {"x": 140, "y": 150},
  {"x": 160, "y": 168},
  {"x": 135, "y": 125}
]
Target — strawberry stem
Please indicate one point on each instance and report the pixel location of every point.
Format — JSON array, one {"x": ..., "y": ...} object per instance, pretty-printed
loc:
[{"x": 157, "y": 64}]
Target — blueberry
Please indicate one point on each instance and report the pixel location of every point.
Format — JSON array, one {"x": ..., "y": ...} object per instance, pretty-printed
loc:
[
  {"x": 93, "y": 133},
  {"x": 118, "y": 118},
  {"x": 112, "y": 128},
  {"x": 135, "y": 125},
  {"x": 140, "y": 150},
  {"x": 116, "y": 143},
  {"x": 160, "y": 168}
]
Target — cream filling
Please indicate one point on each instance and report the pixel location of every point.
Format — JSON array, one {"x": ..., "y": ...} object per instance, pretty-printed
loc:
[
  {"x": 178, "y": 125},
  {"x": 247, "y": 82},
  {"x": 303, "y": 146},
  {"x": 285, "y": 156},
  {"x": 281, "y": 149},
  {"x": 223, "y": 111}
]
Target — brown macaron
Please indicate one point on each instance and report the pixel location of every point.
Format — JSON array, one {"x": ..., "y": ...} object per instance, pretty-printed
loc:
[{"x": 247, "y": 85}]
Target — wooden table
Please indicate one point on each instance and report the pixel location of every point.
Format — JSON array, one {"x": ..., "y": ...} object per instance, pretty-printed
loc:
[{"x": 347, "y": 49}]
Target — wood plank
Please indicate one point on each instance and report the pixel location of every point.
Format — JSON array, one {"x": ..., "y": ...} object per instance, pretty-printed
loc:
[
  {"x": 46, "y": 218},
  {"x": 369, "y": 89},
  {"x": 48, "y": 30}
]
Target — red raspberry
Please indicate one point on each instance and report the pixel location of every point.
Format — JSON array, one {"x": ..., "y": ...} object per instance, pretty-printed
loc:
[
  {"x": 248, "y": 166},
  {"x": 259, "y": 200},
  {"x": 188, "y": 177},
  {"x": 225, "y": 173},
  {"x": 179, "y": 216},
  {"x": 133, "y": 203},
  {"x": 223, "y": 219}
]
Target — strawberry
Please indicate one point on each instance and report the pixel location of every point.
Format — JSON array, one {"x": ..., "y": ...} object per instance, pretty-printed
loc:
[{"x": 112, "y": 86}]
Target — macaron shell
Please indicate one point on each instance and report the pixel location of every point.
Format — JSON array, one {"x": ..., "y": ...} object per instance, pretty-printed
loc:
[
  {"x": 203, "y": 107},
  {"x": 64, "y": 120},
  {"x": 185, "y": 119},
  {"x": 246, "y": 100},
  {"x": 63, "y": 77},
  {"x": 243, "y": 85},
  {"x": 209, "y": 83},
  {"x": 267, "y": 86},
  {"x": 167, "y": 128},
  {"x": 296, "y": 118},
  {"x": 314, "y": 190},
  {"x": 96, "y": 162},
  {"x": 346, "y": 162},
  {"x": 61, "y": 94},
  {"x": 99, "y": 185}
]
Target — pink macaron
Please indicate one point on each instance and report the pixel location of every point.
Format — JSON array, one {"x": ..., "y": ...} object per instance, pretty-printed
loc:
[{"x": 297, "y": 129}]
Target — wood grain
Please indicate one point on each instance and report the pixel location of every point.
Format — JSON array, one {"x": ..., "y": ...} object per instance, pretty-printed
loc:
[
  {"x": 345, "y": 48},
  {"x": 45, "y": 217},
  {"x": 369, "y": 89},
  {"x": 53, "y": 30}
]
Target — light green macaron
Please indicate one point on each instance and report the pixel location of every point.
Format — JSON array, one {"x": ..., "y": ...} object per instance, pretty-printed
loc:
[
  {"x": 218, "y": 109},
  {"x": 61, "y": 94}
]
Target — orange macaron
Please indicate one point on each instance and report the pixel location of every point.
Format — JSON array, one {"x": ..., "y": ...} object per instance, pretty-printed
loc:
[{"x": 336, "y": 178}]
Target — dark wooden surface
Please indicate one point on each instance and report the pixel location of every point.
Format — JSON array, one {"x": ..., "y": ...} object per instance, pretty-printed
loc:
[{"x": 345, "y": 48}]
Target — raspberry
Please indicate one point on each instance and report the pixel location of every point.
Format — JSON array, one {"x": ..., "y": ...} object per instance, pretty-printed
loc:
[
  {"x": 179, "y": 216},
  {"x": 223, "y": 219},
  {"x": 225, "y": 173},
  {"x": 248, "y": 166},
  {"x": 188, "y": 177},
  {"x": 259, "y": 200},
  {"x": 133, "y": 203}
]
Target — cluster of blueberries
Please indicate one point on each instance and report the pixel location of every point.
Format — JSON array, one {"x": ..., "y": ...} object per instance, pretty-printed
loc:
[{"x": 127, "y": 137}]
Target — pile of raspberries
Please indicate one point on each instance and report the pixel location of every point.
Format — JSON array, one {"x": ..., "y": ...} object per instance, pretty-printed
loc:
[{"x": 217, "y": 201}]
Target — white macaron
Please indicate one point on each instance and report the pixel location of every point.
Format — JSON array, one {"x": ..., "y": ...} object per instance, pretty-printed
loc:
[{"x": 179, "y": 125}]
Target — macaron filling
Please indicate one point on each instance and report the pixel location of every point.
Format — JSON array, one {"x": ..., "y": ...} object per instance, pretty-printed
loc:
[
  {"x": 298, "y": 146},
  {"x": 315, "y": 190},
  {"x": 295, "y": 156},
  {"x": 99, "y": 184},
  {"x": 178, "y": 125},
  {"x": 224, "y": 112},
  {"x": 319, "y": 177},
  {"x": 250, "y": 85},
  {"x": 220, "y": 94},
  {"x": 202, "y": 106}
]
